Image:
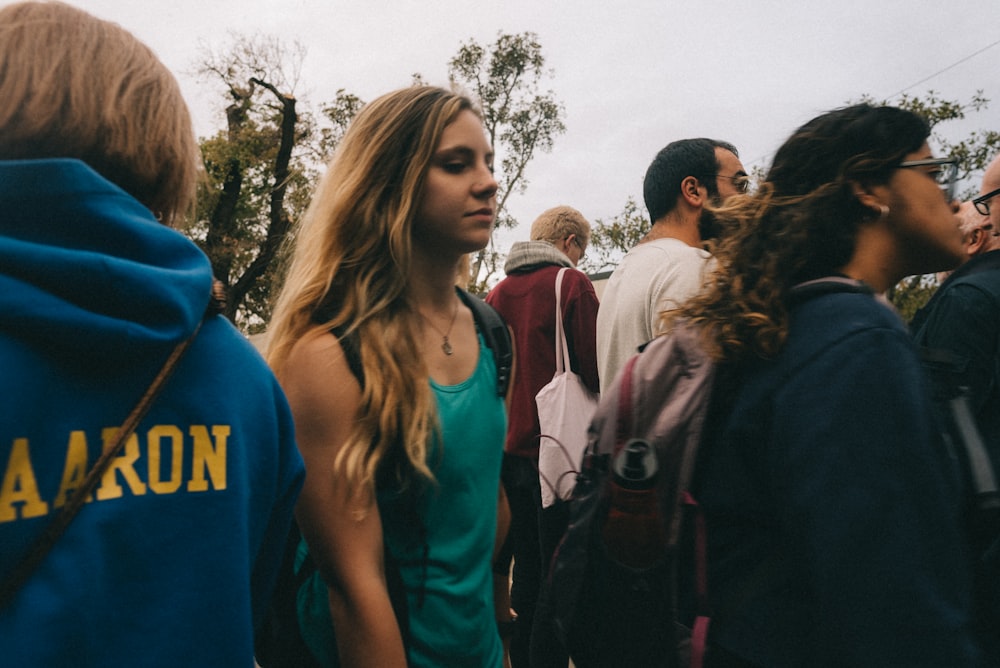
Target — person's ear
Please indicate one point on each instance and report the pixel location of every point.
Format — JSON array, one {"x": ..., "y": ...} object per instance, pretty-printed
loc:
[
  {"x": 691, "y": 191},
  {"x": 977, "y": 239},
  {"x": 870, "y": 199},
  {"x": 566, "y": 244}
]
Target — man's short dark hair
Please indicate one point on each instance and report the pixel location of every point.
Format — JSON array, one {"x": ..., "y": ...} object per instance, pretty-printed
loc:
[{"x": 674, "y": 163}]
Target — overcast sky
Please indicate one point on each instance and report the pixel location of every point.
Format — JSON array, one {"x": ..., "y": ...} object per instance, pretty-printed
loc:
[{"x": 633, "y": 74}]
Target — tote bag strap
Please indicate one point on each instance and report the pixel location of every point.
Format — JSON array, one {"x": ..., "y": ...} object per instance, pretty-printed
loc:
[{"x": 562, "y": 348}]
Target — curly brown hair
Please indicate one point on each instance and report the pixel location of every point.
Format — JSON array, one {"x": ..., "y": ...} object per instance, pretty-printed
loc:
[{"x": 801, "y": 224}]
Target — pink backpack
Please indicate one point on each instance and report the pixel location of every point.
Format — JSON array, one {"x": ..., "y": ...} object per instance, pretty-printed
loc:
[
  {"x": 612, "y": 586},
  {"x": 611, "y": 583}
]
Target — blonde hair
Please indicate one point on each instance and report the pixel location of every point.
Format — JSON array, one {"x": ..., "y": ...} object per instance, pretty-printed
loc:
[
  {"x": 559, "y": 222},
  {"x": 74, "y": 86},
  {"x": 350, "y": 271}
]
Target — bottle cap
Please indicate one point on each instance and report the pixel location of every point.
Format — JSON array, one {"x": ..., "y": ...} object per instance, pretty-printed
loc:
[{"x": 636, "y": 462}]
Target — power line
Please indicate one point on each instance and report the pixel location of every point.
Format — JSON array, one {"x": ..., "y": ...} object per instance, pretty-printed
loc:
[
  {"x": 939, "y": 72},
  {"x": 913, "y": 85}
]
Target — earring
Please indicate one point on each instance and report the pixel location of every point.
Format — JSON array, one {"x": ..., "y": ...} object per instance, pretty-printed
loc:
[{"x": 883, "y": 211}]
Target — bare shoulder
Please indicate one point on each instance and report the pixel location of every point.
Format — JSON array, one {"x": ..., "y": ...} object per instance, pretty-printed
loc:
[
  {"x": 340, "y": 521},
  {"x": 322, "y": 391}
]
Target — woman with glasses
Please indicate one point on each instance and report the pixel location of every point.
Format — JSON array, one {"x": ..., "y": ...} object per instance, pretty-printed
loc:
[{"x": 832, "y": 506}]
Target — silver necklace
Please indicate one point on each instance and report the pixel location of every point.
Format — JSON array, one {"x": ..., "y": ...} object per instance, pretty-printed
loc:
[{"x": 445, "y": 344}]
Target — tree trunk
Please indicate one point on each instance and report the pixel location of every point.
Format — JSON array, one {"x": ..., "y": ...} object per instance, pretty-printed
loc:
[{"x": 279, "y": 222}]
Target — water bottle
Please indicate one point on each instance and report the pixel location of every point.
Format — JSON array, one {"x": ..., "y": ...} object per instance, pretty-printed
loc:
[{"x": 634, "y": 532}]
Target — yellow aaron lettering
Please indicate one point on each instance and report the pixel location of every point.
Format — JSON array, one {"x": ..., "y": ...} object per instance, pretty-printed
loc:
[
  {"x": 167, "y": 451},
  {"x": 75, "y": 471},
  {"x": 20, "y": 486},
  {"x": 124, "y": 464},
  {"x": 208, "y": 458},
  {"x": 154, "y": 446}
]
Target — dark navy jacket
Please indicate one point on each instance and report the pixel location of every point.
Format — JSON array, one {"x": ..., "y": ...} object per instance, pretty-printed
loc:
[
  {"x": 832, "y": 507},
  {"x": 962, "y": 319}
]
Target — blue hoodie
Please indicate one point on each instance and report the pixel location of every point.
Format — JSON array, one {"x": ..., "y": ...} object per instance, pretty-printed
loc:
[{"x": 173, "y": 559}]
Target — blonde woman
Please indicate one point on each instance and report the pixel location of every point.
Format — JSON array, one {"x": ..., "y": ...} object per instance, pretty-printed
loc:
[{"x": 402, "y": 451}]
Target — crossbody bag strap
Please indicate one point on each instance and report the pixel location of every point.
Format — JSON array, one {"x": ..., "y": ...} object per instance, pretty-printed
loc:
[{"x": 24, "y": 569}]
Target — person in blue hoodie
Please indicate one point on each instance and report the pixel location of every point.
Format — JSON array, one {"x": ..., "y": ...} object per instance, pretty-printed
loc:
[{"x": 172, "y": 559}]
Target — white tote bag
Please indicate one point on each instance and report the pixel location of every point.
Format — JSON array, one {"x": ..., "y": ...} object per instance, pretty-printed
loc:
[{"x": 565, "y": 407}]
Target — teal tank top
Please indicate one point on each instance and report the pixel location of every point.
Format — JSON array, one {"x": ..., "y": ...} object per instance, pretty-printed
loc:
[{"x": 443, "y": 541}]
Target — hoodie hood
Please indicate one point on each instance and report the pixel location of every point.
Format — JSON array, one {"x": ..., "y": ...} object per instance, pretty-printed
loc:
[
  {"x": 85, "y": 269},
  {"x": 526, "y": 255}
]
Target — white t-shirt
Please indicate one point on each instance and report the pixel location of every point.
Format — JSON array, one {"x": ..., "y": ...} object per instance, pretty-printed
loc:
[{"x": 652, "y": 277}]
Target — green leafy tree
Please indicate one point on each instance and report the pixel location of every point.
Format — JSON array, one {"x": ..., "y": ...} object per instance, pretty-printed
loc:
[
  {"x": 910, "y": 294},
  {"x": 973, "y": 151},
  {"x": 519, "y": 118},
  {"x": 260, "y": 169},
  {"x": 242, "y": 216},
  {"x": 611, "y": 239},
  {"x": 338, "y": 115}
]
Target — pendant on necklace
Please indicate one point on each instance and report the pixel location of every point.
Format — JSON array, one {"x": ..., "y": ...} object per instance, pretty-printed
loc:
[{"x": 446, "y": 347}]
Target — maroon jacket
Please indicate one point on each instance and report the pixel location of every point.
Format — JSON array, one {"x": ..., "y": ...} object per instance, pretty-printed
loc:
[{"x": 526, "y": 300}]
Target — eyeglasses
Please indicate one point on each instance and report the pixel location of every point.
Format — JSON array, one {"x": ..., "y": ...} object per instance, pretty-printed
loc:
[
  {"x": 946, "y": 176},
  {"x": 740, "y": 181},
  {"x": 583, "y": 251},
  {"x": 982, "y": 203}
]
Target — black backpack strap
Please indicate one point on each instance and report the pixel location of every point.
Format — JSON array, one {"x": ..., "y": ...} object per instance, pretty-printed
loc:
[
  {"x": 497, "y": 337},
  {"x": 944, "y": 370},
  {"x": 490, "y": 323},
  {"x": 352, "y": 351}
]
